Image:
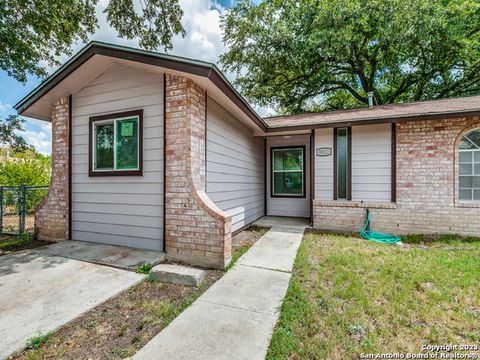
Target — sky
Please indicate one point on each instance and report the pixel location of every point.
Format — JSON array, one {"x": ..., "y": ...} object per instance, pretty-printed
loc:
[{"x": 203, "y": 41}]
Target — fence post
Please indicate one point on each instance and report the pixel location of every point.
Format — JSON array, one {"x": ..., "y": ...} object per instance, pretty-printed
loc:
[
  {"x": 1, "y": 209},
  {"x": 23, "y": 209}
]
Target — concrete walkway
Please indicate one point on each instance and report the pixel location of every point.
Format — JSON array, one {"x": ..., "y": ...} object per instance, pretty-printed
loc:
[
  {"x": 121, "y": 257},
  {"x": 40, "y": 292},
  {"x": 234, "y": 319}
]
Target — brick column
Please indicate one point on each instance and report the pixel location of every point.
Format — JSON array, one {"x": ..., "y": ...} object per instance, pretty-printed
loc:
[
  {"x": 196, "y": 230},
  {"x": 51, "y": 217}
]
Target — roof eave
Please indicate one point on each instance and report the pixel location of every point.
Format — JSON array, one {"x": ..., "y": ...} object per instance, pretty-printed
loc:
[
  {"x": 379, "y": 120},
  {"x": 193, "y": 67}
]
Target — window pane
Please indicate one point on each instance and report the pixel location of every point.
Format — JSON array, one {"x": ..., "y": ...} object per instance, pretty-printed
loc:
[
  {"x": 466, "y": 169},
  {"x": 477, "y": 169},
  {"x": 466, "y": 156},
  {"x": 127, "y": 144},
  {"x": 277, "y": 160},
  {"x": 288, "y": 183},
  {"x": 465, "y": 194},
  {"x": 342, "y": 166},
  {"x": 476, "y": 182},
  {"x": 103, "y": 146},
  {"x": 474, "y": 136},
  {"x": 466, "y": 144},
  {"x": 477, "y": 156},
  {"x": 466, "y": 181},
  {"x": 288, "y": 159},
  {"x": 476, "y": 194}
]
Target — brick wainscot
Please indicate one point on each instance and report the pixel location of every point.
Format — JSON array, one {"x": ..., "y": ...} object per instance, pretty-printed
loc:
[
  {"x": 52, "y": 215},
  {"x": 196, "y": 230},
  {"x": 426, "y": 185}
]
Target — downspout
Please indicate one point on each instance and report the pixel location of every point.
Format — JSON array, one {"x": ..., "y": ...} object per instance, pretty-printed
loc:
[{"x": 164, "y": 159}]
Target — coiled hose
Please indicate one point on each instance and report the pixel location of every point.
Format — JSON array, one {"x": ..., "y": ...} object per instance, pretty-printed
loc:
[{"x": 366, "y": 233}]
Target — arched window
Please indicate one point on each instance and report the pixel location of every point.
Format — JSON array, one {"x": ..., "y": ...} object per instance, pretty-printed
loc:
[{"x": 469, "y": 172}]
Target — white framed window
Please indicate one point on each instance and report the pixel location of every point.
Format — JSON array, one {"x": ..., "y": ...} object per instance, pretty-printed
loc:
[
  {"x": 288, "y": 172},
  {"x": 469, "y": 167},
  {"x": 116, "y": 144}
]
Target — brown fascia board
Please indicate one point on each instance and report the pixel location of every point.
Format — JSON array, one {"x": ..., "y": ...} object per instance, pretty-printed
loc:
[
  {"x": 372, "y": 121},
  {"x": 200, "y": 68}
]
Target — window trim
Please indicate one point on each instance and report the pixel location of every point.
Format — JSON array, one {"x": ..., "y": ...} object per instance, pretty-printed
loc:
[
  {"x": 304, "y": 183},
  {"x": 459, "y": 175},
  {"x": 91, "y": 153},
  {"x": 349, "y": 164}
]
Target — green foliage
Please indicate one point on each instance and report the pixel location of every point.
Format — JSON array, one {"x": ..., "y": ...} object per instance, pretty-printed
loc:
[
  {"x": 154, "y": 27},
  {"x": 9, "y": 136},
  {"x": 11, "y": 242},
  {"x": 37, "y": 341},
  {"x": 327, "y": 54},
  {"x": 28, "y": 168},
  {"x": 237, "y": 253},
  {"x": 145, "y": 268},
  {"x": 349, "y": 296},
  {"x": 35, "y": 33},
  {"x": 435, "y": 239}
]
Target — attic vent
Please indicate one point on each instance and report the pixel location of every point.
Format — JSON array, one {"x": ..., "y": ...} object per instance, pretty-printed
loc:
[{"x": 370, "y": 99}]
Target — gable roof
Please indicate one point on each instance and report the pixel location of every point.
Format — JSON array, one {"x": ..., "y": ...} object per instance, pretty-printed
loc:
[
  {"x": 421, "y": 110},
  {"x": 37, "y": 103},
  {"x": 176, "y": 63}
]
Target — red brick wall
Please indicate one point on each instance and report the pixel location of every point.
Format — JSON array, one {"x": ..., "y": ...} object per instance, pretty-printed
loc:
[
  {"x": 427, "y": 181},
  {"x": 51, "y": 218},
  {"x": 196, "y": 231}
]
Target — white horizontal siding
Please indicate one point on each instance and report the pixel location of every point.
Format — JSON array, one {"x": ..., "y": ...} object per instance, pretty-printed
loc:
[
  {"x": 235, "y": 168},
  {"x": 297, "y": 207},
  {"x": 371, "y": 163},
  {"x": 126, "y": 210},
  {"x": 324, "y": 165}
]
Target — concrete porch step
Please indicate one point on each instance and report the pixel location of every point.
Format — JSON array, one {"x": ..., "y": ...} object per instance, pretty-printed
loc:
[{"x": 176, "y": 274}]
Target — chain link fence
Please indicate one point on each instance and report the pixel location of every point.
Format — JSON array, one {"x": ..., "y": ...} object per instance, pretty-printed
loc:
[{"x": 17, "y": 208}]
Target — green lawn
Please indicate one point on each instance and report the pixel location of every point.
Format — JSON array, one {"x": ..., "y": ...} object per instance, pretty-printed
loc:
[{"x": 349, "y": 296}]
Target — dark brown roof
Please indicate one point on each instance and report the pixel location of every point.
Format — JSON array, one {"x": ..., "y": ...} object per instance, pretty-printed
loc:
[
  {"x": 434, "y": 109},
  {"x": 195, "y": 67}
]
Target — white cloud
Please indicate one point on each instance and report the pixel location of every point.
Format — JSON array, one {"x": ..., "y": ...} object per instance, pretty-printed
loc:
[
  {"x": 4, "y": 107},
  {"x": 203, "y": 41},
  {"x": 204, "y": 36},
  {"x": 39, "y": 134}
]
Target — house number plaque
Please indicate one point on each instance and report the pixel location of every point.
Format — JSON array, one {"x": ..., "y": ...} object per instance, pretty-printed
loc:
[{"x": 324, "y": 151}]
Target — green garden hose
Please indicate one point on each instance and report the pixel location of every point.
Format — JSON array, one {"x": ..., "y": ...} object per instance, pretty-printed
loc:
[{"x": 376, "y": 236}]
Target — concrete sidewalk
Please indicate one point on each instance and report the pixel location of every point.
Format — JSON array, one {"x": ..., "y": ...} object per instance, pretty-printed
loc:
[
  {"x": 234, "y": 319},
  {"x": 40, "y": 292}
]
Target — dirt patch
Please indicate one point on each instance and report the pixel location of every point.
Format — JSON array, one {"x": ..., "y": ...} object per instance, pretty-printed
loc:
[
  {"x": 10, "y": 222},
  {"x": 14, "y": 243},
  {"x": 121, "y": 326},
  {"x": 248, "y": 237}
]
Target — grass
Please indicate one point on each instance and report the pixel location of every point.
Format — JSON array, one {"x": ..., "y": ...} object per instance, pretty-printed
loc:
[
  {"x": 15, "y": 243},
  {"x": 145, "y": 268},
  {"x": 37, "y": 341},
  {"x": 254, "y": 233},
  {"x": 349, "y": 296},
  {"x": 121, "y": 326},
  {"x": 8, "y": 242}
]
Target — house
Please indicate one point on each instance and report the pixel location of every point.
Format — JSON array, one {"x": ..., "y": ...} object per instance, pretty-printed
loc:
[{"x": 160, "y": 152}]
